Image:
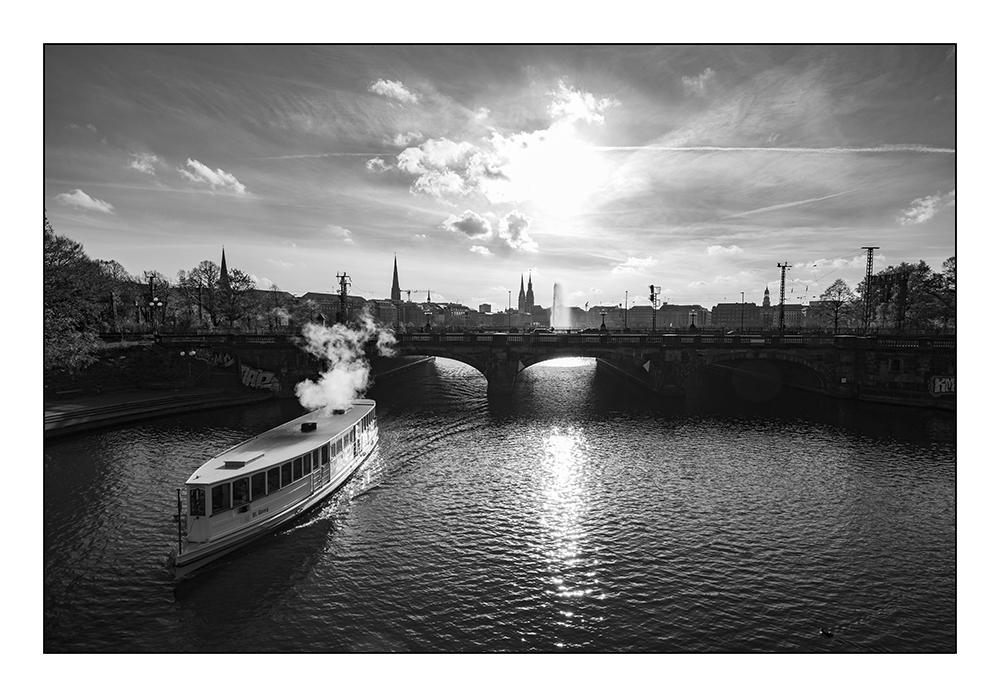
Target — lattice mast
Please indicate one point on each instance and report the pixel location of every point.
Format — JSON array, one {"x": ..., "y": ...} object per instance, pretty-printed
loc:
[
  {"x": 345, "y": 284},
  {"x": 781, "y": 298},
  {"x": 868, "y": 289}
]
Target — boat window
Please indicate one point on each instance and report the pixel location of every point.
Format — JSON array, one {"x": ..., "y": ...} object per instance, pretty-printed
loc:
[
  {"x": 324, "y": 454},
  {"x": 197, "y": 503},
  {"x": 286, "y": 474},
  {"x": 241, "y": 491},
  {"x": 257, "y": 485},
  {"x": 338, "y": 446},
  {"x": 297, "y": 469},
  {"x": 308, "y": 460},
  {"x": 273, "y": 479},
  {"x": 221, "y": 498}
]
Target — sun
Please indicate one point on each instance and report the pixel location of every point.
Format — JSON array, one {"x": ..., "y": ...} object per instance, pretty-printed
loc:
[{"x": 554, "y": 170}]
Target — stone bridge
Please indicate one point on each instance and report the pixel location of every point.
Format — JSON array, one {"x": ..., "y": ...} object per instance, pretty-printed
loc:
[
  {"x": 915, "y": 370},
  {"x": 900, "y": 369}
]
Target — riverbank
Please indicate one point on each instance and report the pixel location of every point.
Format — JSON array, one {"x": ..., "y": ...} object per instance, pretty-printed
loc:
[{"x": 74, "y": 411}]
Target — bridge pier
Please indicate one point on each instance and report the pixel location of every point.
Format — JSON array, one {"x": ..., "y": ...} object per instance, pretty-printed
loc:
[{"x": 501, "y": 372}]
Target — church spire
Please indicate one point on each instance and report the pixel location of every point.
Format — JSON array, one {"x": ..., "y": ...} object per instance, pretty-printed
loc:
[
  {"x": 520, "y": 296},
  {"x": 529, "y": 297},
  {"x": 223, "y": 271},
  {"x": 395, "y": 280}
]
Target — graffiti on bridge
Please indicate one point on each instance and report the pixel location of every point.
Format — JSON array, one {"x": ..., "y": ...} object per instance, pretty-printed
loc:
[
  {"x": 943, "y": 385},
  {"x": 222, "y": 359},
  {"x": 259, "y": 379}
]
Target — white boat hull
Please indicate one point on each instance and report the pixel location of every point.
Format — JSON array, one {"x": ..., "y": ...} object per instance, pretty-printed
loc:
[{"x": 196, "y": 556}]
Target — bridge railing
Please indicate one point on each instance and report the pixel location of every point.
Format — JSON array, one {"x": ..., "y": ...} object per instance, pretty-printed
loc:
[{"x": 847, "y": 341}]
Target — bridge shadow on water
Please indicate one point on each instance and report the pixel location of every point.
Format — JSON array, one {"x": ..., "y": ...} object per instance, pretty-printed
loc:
[{"x": 740, "y": 396}]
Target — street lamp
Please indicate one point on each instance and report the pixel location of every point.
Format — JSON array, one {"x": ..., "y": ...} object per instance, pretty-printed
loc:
[
  {"x": 508, "y": 311},
  {"x": 155, "y": 304},
  {"x": 190, "y": 355},
  {"x": 742, "y": 304}
]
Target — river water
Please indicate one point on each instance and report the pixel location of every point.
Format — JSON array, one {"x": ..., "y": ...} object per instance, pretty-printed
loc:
[{"x": 578, "y": 515}]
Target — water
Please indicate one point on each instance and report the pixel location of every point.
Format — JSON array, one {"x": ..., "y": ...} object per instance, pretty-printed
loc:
[{"x": 576, "y": 516}]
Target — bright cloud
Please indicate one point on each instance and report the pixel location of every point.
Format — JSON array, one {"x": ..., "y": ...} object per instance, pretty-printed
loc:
[
  {"x": 923, "y": 209},
  {"x": 551, "y": 167},
  {"x": 81, "y": 200},
  {"x": 217, "y": 179},
  {"x": 574, "y": 105},
  {"x": 514, "y": 231},
  {"x": 698, "y": 83},
  {"x": 441, "y": 167},
  {"x": 470, "y": 224},
  {"x": 403, "y": 139},
  {"x": 394, "y": 90},
  {"x": 377, "y": 164},
  {"x": 634, "y": 265},
  {"x": 341, "y": 233},
  {"x": 145, "y": 162},
  {"x": 481, "y": 250},
  {"x": 718, "y": 249}
]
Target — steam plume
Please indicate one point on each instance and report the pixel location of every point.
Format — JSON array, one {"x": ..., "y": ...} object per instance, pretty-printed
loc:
[{"x": 342, "y": 348}]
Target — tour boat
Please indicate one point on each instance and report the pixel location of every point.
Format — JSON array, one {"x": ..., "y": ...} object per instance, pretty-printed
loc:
[{"x": 260, "y": 484}]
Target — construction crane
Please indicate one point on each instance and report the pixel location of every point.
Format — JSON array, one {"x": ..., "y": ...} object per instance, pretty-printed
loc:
[{"x": 401, "y": 290}]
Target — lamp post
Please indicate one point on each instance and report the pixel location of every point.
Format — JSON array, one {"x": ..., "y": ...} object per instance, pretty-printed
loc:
[
  {"x": 508, "y": 312},
  {"x": 742, "y": 303},
  {"x": 154, "y": 305},
  {"x": 190, "y": 355},
  {"x": 428, "y": 314}
]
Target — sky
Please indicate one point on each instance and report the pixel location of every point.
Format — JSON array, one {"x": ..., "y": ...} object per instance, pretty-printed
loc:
[{"x": 605, "y": 169}]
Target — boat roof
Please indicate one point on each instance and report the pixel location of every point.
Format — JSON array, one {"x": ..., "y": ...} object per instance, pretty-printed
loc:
[{"x": 280, "y": 444}]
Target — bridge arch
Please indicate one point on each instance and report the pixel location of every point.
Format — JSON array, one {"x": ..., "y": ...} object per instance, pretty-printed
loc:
[{"x": 788, "y": 368}]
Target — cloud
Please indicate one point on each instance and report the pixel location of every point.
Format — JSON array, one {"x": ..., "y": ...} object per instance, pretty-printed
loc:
[
  {"x": 923, "y": 209},
  {"x": 698, "y": 83},
  {"x": 697, "y": 284},
  {"x": 82, "y": 200},
  {"x": 718, "y": 249},
  {"x": 377, "y": 164},
  {"x": 550, "y": 165},
  {"x": 470, "y": 224},
  {"x": 145, "y": 162},
  {"x": 634, "y": 265},
  {"x": 513, "y": 230},
  {"x": 341, "y": 233},
  {"x": 217, "y": 179},
  {"x": 481, "y": 250},
  {"x": 570, "y": 104},
  {"x": 438, "y": 164},
  {"x": 394, "y": 90},
  {"x": 403, "y": 139}
]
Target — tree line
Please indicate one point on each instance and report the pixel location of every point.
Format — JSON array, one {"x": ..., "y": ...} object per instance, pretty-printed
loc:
[
  {"x": 84, "y": 297},
  {"x": 904, "y": 298}
]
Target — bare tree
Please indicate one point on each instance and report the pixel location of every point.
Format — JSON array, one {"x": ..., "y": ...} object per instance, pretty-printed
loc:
[{"x": 836, "y": 299}]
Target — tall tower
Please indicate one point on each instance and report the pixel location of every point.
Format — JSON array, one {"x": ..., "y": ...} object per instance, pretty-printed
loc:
[
  {"x": 520, "y": 296},
  {"x": 223, "y": 271},
  {"x": 529, "y": 298},
  {"x": 767, "y": 297},
  {"x": 395, "y": 280}
]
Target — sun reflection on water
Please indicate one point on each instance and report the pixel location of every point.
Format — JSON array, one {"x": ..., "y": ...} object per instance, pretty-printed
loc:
[{"x": 564, "y": 507}]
